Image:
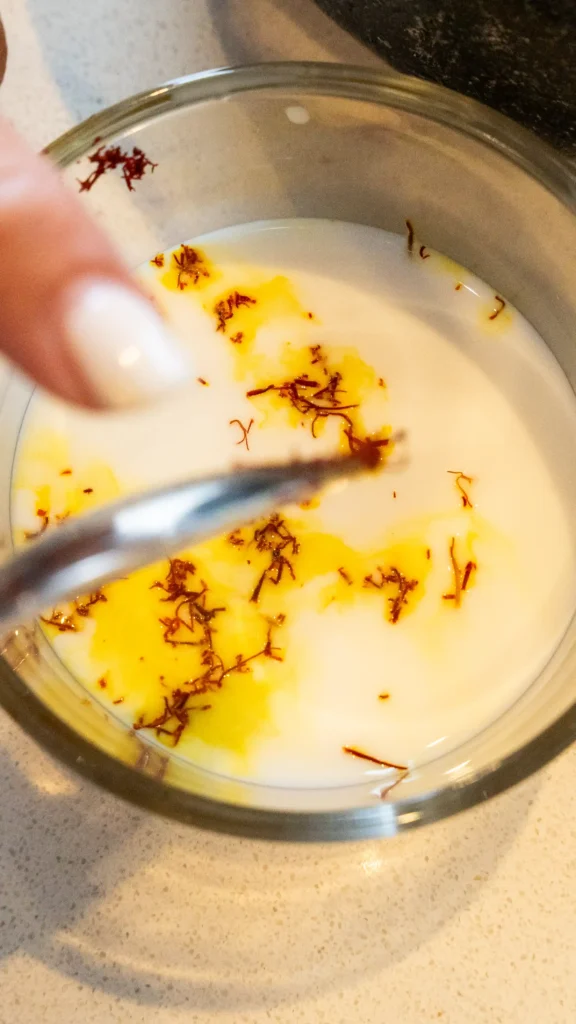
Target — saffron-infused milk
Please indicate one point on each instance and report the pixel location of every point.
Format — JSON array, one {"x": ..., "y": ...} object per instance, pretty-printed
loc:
[{"x": 385, "y": 622}]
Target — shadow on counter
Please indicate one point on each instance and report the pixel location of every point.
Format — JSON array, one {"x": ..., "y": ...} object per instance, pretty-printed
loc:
[{"x": 150, "y": 912}]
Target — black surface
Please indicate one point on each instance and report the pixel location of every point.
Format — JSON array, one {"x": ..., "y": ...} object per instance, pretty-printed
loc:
[{"x": 518, "y": 56}]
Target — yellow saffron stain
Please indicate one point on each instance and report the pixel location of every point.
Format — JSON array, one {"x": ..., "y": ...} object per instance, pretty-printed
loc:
[
  {"x": 128, "y": 645},
  {"x": 260, "y": 303},
  {"x": 142, "y": 668},
  {"x": 407, "y": 556},
  {"x": 187, "y": 273},
  {"x": 39, "y": 484},
  {"x": 491, "y": 315},
  {"x": 125, "y": 635},
  {"x": 438, "y": 263},
  {"x": 359, "y": 390},
  {"x": 494, "y": 318}
]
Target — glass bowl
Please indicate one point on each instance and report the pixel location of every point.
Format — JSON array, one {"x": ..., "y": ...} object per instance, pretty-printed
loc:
[{"x": 316, "y": 140}]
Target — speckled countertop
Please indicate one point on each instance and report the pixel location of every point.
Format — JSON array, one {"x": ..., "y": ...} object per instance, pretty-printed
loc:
[{"x": 107, "y": 914}]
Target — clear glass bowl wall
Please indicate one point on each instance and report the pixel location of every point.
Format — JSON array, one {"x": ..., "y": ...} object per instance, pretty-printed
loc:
[{"x": 374, "y": 149}]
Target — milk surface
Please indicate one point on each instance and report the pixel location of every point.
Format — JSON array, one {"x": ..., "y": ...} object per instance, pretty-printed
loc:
[{"x": 460, "y": 382}]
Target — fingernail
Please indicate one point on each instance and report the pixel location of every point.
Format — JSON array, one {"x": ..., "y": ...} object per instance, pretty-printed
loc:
[{"x": 128, "y": 356}]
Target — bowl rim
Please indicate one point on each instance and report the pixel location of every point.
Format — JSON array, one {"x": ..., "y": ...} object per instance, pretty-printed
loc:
[{"x": 470, "y": 118}]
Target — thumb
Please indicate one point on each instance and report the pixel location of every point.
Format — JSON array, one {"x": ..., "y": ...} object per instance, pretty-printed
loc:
[{"x": 70, "y": 315}]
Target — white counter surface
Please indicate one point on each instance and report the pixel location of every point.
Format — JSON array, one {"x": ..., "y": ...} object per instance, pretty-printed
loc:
[{"x": 108, "y": 914}]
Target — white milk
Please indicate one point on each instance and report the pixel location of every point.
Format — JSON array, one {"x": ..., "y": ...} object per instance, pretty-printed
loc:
[{"x": 471, "y": 393}]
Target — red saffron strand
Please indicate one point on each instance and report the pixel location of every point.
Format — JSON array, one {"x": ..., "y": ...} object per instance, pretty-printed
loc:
[
  {"x": 134, "y": 166},
  {"x": 403, "y": 585},
  {"x": 354, "y": 752},
  {"x": 193, "y": 615},
  {"x": 245, "y": 432},
  {"x": 190, "y": 265},
  {"x": 500, "y": 308},
  {"x": 317, "y": 402},
  {"x": 226, "y": 308},
  {"x": 466, "y": 502},
  {"x": 276, "y": 538},
  {"x": 44, "y": 524},
  {"x": 461, "y": 577}
]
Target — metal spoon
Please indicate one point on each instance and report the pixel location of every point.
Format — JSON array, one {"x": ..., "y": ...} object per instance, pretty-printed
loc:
[{"x": 83, "y": 554}]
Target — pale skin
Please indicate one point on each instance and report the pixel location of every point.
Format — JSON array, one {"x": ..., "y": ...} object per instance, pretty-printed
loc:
[{"x": 60, "y": 321}]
